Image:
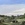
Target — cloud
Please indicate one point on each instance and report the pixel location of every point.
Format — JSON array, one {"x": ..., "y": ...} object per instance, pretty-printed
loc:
[
  {"x": 17, "y": 12},
  {"x": 12, "y": 9},
  {"x": 7, "y": 8}
]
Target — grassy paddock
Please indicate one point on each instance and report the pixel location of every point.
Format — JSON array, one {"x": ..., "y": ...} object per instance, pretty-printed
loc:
[{"x": 20, "y": 20}]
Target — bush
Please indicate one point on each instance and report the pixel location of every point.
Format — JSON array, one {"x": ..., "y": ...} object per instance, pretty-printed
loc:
[
  {"x": 15, "y": 21},
  {"x": 23, "y": 23}
]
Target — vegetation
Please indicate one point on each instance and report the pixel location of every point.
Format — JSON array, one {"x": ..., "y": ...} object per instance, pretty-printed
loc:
[{"x": 9, "y": 19}]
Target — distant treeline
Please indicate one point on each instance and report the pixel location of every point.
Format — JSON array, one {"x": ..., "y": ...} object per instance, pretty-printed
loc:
[{"x": 12, "y": 16}]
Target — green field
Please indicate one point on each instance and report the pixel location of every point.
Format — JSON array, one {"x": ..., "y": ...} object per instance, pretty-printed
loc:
[
  {"x": 7, "y": 23},
  {"x": 19, "y": 20}
]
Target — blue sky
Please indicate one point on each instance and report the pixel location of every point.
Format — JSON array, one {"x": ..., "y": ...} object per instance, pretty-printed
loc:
[
  {"x": 12, "y": 7},
  {"x": 12, "y": 1}
]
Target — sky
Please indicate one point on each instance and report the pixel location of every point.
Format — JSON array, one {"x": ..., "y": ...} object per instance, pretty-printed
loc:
[{"x": 12, "y": 7}]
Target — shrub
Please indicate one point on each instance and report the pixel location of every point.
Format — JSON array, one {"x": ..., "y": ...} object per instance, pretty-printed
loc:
[{"x": 23, "y": 23}]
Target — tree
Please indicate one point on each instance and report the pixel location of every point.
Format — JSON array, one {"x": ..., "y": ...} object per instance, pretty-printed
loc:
[{"x": 13, "y": 16}]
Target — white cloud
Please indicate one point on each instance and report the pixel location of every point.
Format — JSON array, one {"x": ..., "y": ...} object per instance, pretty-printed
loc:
[
  {"x": 17, "y": 12},
  {"x": 12, "y": 9}
]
